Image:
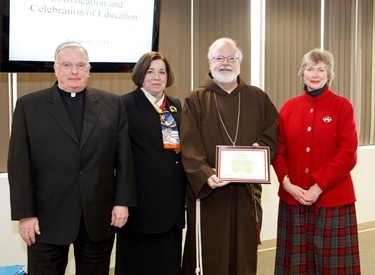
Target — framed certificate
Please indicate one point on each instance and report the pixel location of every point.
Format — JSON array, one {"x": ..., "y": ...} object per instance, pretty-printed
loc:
[{"x": 243, "y": 164}]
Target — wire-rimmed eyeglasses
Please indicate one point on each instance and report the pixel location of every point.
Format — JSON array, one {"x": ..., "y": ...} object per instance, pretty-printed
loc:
[
  {"x": 220, "y": 59},
  {"x": 67, "y": 66}
]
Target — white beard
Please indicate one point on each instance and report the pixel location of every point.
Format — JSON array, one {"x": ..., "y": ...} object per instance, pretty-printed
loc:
[{"x": 224, "y": 77}]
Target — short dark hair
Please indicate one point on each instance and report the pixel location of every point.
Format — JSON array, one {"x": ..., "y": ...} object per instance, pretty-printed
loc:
[{"x": 143, "y": 64}]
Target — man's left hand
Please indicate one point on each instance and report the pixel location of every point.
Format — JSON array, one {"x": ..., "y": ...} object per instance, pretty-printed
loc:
[{"x": 120, "y": 216}]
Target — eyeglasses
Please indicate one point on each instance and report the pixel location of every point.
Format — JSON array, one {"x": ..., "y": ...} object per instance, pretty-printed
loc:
[
  {"x": 66, "y": 66},
  {"x": 220, "y": 59}
]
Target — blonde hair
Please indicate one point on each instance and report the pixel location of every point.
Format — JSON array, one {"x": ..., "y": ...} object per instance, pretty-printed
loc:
[{"x": 315, "y": 56}]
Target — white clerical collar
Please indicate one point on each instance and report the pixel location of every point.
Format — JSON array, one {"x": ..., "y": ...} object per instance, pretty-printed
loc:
[
  {"x": 72, "y": 94},
  {"x": 153, "y": 100}
]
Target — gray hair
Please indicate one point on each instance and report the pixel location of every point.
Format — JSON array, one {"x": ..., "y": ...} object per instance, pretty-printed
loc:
[
  {"x": 221, "y": 41},
  {"x": 71, "y": 45},
  {"x": 315, "y": 56}
]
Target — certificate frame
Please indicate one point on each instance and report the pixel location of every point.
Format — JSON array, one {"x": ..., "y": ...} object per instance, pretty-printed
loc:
[{"x": 247, "y": 164}]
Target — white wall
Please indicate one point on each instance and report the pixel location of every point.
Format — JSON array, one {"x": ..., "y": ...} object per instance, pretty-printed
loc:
[{"x": 13, "y": 250}]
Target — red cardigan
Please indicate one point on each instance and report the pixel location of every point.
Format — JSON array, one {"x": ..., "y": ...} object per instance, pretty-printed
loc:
[{"x": 317, "y": 143}]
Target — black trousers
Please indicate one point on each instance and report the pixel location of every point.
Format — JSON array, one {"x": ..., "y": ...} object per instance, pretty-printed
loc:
[
  {"x": 149, "y": 254},
  {"x": 90, "y": 258}
]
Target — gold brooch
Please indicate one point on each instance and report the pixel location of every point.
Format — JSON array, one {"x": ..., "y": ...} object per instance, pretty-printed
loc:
[{"x": 173, "y": 109}]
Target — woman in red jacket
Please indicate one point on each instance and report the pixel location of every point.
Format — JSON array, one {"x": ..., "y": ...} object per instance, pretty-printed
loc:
[{"x": 317, "y": 225}]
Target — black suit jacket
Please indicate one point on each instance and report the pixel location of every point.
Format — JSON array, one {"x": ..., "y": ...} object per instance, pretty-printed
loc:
[
  {"x": 56, "y": 177},
  {"x": 159, "y": 173}
]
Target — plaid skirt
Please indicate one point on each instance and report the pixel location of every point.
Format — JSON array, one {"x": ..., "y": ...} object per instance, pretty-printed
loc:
[{"x": 317, "y": 240}]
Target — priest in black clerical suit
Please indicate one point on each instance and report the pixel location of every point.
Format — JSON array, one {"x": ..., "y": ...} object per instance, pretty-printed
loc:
[{"x": 70, "y": 169}]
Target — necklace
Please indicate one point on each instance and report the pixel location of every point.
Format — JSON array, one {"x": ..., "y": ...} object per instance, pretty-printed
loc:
[{"x": 238, "y": 119}]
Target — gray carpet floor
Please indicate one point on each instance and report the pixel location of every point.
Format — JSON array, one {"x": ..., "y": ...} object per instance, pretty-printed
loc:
[{"x": 266, "y": 254}]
